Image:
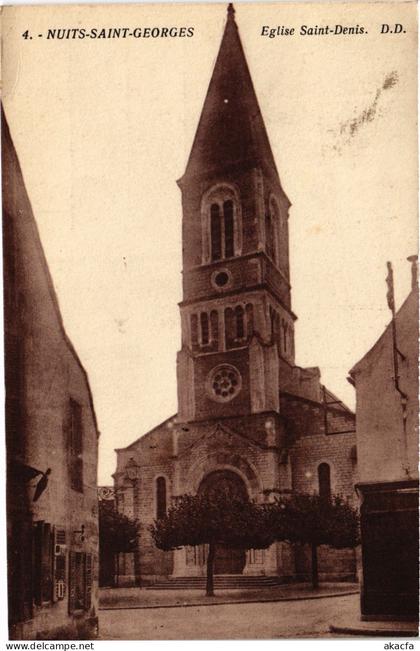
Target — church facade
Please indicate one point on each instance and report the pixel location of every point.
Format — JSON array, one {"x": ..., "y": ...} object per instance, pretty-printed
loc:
[{"x": 247, "y": 415}]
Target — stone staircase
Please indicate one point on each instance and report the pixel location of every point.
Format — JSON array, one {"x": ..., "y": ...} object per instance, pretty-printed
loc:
[{"x": 221, "y": 582}]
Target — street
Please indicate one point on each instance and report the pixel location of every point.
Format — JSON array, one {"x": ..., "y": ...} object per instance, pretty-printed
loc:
[{"x": 303, "y": 618}]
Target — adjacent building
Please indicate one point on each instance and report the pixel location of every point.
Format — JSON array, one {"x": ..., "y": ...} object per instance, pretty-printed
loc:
[
  {"x": 51, "y": 440},
  {"x": 248, "y": 415},
  {"x": 108, "y": 561},
  {"x": 387, "y": 407}
]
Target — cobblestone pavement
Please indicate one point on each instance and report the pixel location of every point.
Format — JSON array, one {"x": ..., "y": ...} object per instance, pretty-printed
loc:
[{"x": 283, "y": 619}]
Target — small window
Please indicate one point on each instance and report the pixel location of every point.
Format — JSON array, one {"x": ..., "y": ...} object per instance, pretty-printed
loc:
[
  {"x": 221, "y": 279},
  {"x": 285, "y": 329},
  {"x": 275, "y": 328},
  {"x": 214, "y": 327},
  {"x": 194, "y": 329},
  {"x": 229, "y": 327},
  {"x": 160, "y": 497},
  {"x": 271, "y": 321},
  {"x": 324, "y": 480},
  {"x": 204, "y": 321}
]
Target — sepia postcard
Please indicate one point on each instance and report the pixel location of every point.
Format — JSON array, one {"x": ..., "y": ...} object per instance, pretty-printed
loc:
[{"x": 210, "y": 321}]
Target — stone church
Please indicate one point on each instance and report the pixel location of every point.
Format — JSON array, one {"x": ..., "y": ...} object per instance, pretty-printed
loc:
[{"x": 248, "y": 416}]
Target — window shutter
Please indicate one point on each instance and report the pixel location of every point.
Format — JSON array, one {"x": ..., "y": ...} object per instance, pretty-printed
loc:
[
  {"x": 42, "y": 563},
  {"x": 47, "y": 563},
  {"x": 60, "y": 550},
  {"x": 72, "y": 582},
  {"x": 88, "y": 580},
  {"x": 21, "y": 570},
  {"x": 37, "y": 563}
]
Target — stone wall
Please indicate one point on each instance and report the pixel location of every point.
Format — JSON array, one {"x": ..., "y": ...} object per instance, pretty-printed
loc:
[
  {"x": 254, "y": 447},
  {"x": 44, "y": 378},
  {"x": 386, "y": 453}
]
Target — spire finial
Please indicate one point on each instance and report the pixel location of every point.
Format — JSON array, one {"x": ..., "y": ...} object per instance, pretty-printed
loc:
[{"x": 231, "y": 11}]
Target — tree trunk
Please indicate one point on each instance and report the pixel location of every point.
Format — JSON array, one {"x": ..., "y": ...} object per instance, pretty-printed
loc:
[
  {"x": 315, "y": 580},
  {"x": 117, "y": 569},
  {"x": 210, "y": 570}
]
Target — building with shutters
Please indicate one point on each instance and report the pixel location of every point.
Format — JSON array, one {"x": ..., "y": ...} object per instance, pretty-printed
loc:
[
  {"x": 51, "y": 440},
  {"x": 248, "y": 416},
  {"x": 387, "y": 408}
]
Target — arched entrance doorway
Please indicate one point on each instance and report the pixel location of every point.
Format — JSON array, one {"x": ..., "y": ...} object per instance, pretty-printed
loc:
[{"x": 227, "y": 560}]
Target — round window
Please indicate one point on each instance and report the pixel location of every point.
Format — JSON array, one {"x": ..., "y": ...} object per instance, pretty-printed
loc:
[
  {"x": 223, "y": 383},
  {"x": 221, "y": 279}
]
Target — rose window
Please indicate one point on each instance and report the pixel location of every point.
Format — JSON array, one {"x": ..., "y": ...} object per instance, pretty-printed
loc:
[{"x": 224, "y": 383}]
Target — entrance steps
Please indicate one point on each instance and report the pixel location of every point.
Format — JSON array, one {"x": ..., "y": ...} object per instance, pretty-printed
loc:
[{"x": 221, "y": 582}]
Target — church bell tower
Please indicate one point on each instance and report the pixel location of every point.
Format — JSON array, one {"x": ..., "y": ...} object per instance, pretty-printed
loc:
[{"x": 237, "y": 323}]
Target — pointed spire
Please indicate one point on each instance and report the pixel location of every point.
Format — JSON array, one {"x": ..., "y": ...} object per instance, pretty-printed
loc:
[{"x": 231, "y": 129}]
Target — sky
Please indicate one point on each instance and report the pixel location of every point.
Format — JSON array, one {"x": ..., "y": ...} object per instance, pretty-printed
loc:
[{"x": 103, "y": 129}]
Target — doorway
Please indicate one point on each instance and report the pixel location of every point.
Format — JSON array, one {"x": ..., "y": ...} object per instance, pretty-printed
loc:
[{"x": 227, "y": 560}]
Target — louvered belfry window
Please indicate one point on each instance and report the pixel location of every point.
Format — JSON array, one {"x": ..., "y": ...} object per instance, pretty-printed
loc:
[
  {"x": 229, "y": 228},
  {"x": 216, "y": 232},
  {"x": 270, "y": 237},
  {"x": 223, "y": 216}
]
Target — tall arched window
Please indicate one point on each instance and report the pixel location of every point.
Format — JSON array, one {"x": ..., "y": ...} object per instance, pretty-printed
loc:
[
  {"x": 272, "y": 228},
  {"x": 239, "y": 322},
  {"x": 221, "y": 223},
  {"x": 229, "y": 327},
  {"x": 249, "y": 311},
  {"x": 160, "y": 497},
  {"x": 271, "y": 321},
  {"x": 204, "y": 323},
  {"x": 278, "y": 331},
  {"x": 270, "y": 237},
  {"x": 194, "y": 329},
  {"x": 324, "y": 480},
  {"x": 275, "y": 327},
  {"x": 285, "y": 329},
  {"x": 214, "y": 328},
  {"x": 228, "y": 217},
  {"x": 215, "y": 232}
]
